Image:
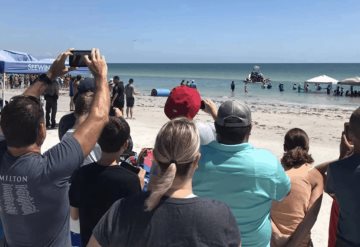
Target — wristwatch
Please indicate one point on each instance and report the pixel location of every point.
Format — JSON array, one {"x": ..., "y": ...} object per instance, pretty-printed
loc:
[{"x": 44, "y": 78}]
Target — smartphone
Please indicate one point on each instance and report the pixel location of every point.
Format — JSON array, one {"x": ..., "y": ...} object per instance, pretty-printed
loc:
[
  {"x": 130, "y": 167},
  {"x": 77, "y": 58},
  {"x": 346, "y": 130},
  {"x": 202, "y": 105}
]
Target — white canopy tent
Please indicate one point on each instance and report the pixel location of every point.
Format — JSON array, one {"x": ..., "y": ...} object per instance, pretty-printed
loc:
[
  {"x": 322, "y": 79},
  {"x": 353, "y": 81}
]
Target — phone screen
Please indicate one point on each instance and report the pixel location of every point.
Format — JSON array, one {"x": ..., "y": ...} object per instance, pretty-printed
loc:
[
  {"x": 77, "y": 58},
  {"x": 202, "y": 105},
  {"x": 132, "y": 168}
]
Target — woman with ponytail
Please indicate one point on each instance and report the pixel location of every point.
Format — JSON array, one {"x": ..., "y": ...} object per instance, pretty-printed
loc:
[
  {"x": 169, "y": 214},
  {"x": 293, "y": 218}
]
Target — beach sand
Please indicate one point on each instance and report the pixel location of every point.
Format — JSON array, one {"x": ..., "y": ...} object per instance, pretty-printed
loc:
[{"x": 271, "y": 121}]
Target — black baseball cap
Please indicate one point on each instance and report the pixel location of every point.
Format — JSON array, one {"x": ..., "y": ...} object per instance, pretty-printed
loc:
[{"x": 85, "y": 85}]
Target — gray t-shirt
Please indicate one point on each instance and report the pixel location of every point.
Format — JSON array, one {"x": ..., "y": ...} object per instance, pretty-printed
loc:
[
  {"x": 174, "y": 222},
  {"x": 343, "y": 180},
  {"x": 34, "y": 202}
]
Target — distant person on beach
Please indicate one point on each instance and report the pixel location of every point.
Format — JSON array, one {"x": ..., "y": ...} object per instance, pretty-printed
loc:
[
  {"x": 232, "y": 86},
  {"x": 170, "y": 214},
  {"x": 193, "y": 84},
  {"x": 343, "y": 182},
  {"x": 182, "y": 83},
  {"x": 130, "y": 99},
  {"x": 43, "y": 179},
  {"x": 118, "y": 99},
  {"x": 186, "y": 102},
  {"x": 245, "y": 88},
  {"x": 95, "y": 187},
  {"x": 51, "y": 96},
  {"x": 307, "y": 187},
  {"x": 246, "y": 178},
  {"x": 294, "y": 86}
]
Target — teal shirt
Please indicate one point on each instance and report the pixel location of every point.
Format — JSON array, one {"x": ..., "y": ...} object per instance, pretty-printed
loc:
[{"x": 247, "y": 179}]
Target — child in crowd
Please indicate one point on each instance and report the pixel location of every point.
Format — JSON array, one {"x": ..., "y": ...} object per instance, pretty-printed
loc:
[{"x": 95, "y": 187}]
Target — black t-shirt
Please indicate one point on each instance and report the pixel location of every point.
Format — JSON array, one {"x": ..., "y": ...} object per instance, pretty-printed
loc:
[
  {"x": 119, "y": 91},
  {"x": 175, "y": 222},
  {"x": 95, "y": 188}
]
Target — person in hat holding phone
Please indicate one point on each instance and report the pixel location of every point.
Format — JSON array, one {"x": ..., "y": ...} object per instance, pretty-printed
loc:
[{"x": 246, "y": 178}]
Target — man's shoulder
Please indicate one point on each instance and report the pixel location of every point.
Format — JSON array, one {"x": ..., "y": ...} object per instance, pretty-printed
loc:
[
  {"x": 114, "y": 173},
  {"x": 262, "y": 152},
  {"x": 346, "y": 163},
  {"x": 211, "y": 203}
]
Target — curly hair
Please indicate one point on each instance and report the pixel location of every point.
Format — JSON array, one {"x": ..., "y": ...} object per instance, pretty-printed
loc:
[{"x": 296, "y": 147}]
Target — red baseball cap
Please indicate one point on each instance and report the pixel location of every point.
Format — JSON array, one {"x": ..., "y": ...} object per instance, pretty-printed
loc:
[{"x": 183, "y": 101}]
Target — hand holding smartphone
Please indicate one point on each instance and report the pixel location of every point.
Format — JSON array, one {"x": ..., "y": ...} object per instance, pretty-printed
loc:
[
  {"x": 77, "y": 58},
  {"x": 130, "y": 167}
]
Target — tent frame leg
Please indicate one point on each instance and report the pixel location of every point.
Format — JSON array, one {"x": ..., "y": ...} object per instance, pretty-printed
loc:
[{"x": 3, "y": 91}]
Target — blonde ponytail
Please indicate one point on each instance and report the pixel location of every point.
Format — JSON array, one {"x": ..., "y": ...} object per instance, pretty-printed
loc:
[
  {"x": 177, "y": 144},
  {"x": 159, "y": 185}
]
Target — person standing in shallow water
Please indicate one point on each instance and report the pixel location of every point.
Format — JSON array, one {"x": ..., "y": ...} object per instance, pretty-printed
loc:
[{"x": 232, "y": 86}]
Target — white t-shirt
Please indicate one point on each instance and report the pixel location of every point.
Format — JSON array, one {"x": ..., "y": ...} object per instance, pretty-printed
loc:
[
  {"x": 94, "y": 155},
  {"x": 206, "y": 131}
]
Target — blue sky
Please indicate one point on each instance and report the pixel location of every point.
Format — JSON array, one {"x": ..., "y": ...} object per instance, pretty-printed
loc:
[{"x": 253, "y": 31}]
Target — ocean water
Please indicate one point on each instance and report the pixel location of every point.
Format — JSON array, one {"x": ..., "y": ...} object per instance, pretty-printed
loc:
[{"x": 213, "y": 80}]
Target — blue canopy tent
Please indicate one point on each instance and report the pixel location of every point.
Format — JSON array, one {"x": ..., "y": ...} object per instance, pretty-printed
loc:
[{"x": 23, "y": 63}]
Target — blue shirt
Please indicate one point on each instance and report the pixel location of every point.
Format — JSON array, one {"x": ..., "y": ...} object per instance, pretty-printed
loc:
[
  {"x": 247, "y": 179},
  {"x": 343, "y": 180}
]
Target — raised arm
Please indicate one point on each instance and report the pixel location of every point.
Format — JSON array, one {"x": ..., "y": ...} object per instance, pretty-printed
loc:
[
  {"x": 89, "y": 131},
  {"x": 57, "y": 69},
  {"x": 210, "y": 108}
]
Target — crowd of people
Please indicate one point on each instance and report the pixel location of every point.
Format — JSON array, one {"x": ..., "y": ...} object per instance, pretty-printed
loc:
[
  {"x": 207, "y": 185},
  {"x": 19, "y": 81}
]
